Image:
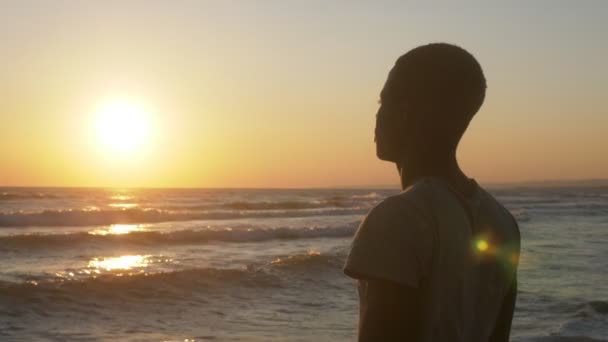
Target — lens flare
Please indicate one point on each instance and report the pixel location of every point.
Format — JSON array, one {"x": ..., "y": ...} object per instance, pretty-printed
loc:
[{"x": 482, "y": 245}]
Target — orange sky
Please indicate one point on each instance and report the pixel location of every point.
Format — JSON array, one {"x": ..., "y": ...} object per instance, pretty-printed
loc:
[{"x": 277, "y": 95}]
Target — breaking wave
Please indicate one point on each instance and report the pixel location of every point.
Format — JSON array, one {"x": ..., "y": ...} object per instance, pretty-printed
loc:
[
  {"x": 266, "y": 205},
  {"x": 11, "y": 196},
  {"x": 72, "y": 240},
  {"x": 96, "y": 217},
  {"x": 169, "y": 284}
]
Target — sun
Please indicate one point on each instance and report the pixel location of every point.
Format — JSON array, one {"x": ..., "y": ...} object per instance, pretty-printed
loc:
[{"x": 122, "y": 126}]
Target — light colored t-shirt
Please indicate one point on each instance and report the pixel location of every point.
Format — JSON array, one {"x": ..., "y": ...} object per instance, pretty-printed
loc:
[{"x": 461, "y": 251}]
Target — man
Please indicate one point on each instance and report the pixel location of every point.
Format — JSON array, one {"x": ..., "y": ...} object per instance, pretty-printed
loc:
[{"x": 438, "y": 261}]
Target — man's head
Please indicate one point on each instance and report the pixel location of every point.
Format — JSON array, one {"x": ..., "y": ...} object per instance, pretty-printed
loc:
[{"x": 429, "y": 98}]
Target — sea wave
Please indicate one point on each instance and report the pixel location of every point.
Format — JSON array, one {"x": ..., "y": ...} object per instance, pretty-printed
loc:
[
  {"x": 178, "y": 237},
  {"x": 12, "y": 196},
  {"x": 370, "y": 195},
  {"x": 332, "y": 202},
  {"x": 565, "y": 339},
  {"x": 521, "y": 215},
  {"x": 139, "y": 285},
  {"x": 96, "y": 217},
  {"x": 170, "y": 284},
  {"x": 594, "y": 307},
  {"x": 312, "y": 259}
]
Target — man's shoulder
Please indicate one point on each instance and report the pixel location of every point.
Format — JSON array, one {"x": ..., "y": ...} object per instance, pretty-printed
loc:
[
  {"x": 500, "y": 208},
  {"x": 394, "y": 241},
  {"x": 411, "y": 205},
  {"x": 501, "y": 222},
  {"x": 416, "y": 196}
]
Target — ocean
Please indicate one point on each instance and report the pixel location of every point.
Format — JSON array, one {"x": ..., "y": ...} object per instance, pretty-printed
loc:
[{"x": 82, "y": 264}]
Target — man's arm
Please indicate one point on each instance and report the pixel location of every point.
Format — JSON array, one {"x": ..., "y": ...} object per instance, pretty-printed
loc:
[
  {"x": 388, "y": 311},
  {"x": 505, "y": 317}
]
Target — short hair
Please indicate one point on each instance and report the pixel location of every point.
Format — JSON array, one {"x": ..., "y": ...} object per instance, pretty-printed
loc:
[{"x": 443, "y": 79}]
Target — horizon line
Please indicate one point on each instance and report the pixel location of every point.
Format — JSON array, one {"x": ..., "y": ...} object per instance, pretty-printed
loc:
[{"x": 539, "y": 183}]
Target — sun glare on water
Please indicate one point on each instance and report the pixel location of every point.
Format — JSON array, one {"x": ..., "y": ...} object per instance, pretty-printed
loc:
[
  {"x": 117, "y": 229},
  {"x": 122, "y": 126},
  {"x": 124, "y": 262}
]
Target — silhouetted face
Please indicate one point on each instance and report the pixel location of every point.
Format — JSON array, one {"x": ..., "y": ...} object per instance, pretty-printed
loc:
[
  {"x": 426, "y": 104},
  {"x": 390, "y": 123}
]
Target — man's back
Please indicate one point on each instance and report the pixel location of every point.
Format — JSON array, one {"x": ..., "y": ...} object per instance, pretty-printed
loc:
[{"x": 459, "y": 252}]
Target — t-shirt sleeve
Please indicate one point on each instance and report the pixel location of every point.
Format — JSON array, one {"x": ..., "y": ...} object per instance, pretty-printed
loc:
[{"x": 394, "y": 242}]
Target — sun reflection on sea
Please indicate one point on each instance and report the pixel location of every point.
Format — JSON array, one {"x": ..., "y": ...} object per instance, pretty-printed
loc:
[
  {"x": 125, "y": 262},
  {"x": 123, "y": 205},
  {"x": 119, "y": 266},
  {"x": 118, "y": 229},
  {"x": 119, "y": 197}
]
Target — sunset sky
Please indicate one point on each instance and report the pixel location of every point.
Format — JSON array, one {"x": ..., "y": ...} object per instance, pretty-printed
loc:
[{"x": 284, "y": 93}]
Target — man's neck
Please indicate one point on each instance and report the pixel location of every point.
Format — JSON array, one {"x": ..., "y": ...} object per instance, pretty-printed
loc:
[{"x": 447, "y": 169}]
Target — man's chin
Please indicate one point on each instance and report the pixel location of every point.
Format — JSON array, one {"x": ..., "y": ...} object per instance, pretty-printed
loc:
[{"x": 388, "y": 156}]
